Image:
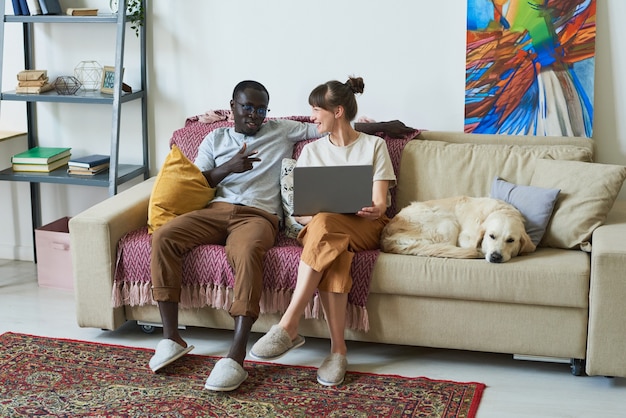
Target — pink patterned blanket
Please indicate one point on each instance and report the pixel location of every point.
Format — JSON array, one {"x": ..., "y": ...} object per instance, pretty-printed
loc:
[{"x": 207, "y": 276}]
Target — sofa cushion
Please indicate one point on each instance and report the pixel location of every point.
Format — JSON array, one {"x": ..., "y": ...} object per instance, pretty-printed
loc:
[
  {"x": 436, "y": 169},
  {"x": 588, "y": 191},
  {"x": 547, "y": 277},
  {"x": 180, "y": 187},
  {"x": 535, "y": 204}
]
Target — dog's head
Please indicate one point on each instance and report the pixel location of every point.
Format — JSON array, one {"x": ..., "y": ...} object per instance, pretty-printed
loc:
[{"x": 504, "y": 236}]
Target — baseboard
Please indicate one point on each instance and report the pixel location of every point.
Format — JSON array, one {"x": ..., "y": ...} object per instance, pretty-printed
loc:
[{"x": 12, "y": 252}]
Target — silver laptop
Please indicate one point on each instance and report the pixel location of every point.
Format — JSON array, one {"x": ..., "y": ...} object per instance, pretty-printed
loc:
[{"x": 337, "y": 189}]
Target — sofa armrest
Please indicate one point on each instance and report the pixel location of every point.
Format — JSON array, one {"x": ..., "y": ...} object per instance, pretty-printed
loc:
[
  {"x": 607, "y": 297},
  {"x": 94, "y": 234}
]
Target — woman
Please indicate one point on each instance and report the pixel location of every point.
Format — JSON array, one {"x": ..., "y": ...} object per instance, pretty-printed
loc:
[{"x": 330, "y": 239}]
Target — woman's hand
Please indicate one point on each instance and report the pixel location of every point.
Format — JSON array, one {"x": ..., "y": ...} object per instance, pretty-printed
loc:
[
  {"x": 303, "y": 220},
  {"x": 372, "y": 212},
  {"x": 379, "y": 204}
]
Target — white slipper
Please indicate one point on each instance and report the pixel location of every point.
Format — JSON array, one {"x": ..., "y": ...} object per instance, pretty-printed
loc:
[
  {"x": 167, "y": 351},
  {"x": 333, "y": 370},
  {"x": 226, "y": 375},
  {"x": 275, "y": 344}
]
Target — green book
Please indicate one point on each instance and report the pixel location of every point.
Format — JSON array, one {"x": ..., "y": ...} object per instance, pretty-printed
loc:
[{"x": 40, "y": 155}]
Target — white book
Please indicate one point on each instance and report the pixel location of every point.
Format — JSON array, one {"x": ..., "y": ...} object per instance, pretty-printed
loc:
[{"x": 33, "y": 7}]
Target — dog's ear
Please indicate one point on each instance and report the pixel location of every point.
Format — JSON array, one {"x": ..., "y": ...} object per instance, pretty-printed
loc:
[{"x": 526, "y": 244}]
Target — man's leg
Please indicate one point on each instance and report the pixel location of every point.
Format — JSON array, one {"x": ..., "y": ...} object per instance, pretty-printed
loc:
[
  {"x": 169, "y": 318},
  {"x": 252, "y": 233},
  {"x": 243, "y": 325},
  {"x": 169, "y": 244}
]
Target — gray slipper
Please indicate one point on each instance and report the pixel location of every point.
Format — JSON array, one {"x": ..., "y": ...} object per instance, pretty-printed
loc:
[
  {"x": 333, "y": 370},
  {"x": 226, "y": 375},
  {"x": 275, "y": 344},
  {"x": 167, "y": 351}
]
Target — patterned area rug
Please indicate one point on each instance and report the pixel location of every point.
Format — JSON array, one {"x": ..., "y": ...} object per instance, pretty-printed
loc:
[{"x": 54, "y": 377}]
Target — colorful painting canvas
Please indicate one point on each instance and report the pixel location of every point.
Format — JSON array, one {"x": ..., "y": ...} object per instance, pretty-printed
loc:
[{"x": 530, "y": 67}]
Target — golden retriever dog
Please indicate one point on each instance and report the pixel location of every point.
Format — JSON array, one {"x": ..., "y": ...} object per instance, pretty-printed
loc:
[{"x": 458, "y": 227}]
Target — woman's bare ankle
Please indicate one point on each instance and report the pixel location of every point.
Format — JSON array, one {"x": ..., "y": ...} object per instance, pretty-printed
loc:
[{"x": 291, "y": 330}]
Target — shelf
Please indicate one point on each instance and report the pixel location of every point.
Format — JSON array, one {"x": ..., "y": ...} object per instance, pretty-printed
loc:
[
  {"x": 101, "y": 18},
  {"x": 125, "y": 172},
  {"x": 82, "y": 96},
  {"x": 118, "y": 173}
]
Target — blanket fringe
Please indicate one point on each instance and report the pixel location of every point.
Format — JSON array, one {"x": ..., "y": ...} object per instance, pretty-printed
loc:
[{"x": 220, "y": 297}]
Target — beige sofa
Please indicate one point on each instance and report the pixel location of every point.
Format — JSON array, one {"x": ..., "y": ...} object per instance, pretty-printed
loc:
[{"x": 557, "y": 303}]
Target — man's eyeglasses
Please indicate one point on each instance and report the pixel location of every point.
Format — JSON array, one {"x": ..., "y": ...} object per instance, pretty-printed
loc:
[{"x": 260, "y": 111}]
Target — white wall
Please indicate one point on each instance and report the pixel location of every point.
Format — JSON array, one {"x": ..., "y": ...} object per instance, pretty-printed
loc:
[{"x": 410, "y": 54}]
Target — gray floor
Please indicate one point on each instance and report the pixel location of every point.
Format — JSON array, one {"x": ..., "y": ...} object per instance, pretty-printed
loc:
[{"x": 514, "y": 388}]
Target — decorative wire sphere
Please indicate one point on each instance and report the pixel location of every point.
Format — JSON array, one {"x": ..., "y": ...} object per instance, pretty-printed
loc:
[
  {"x": 67, "y": 85},
  {"x": 89, "y": 73}
]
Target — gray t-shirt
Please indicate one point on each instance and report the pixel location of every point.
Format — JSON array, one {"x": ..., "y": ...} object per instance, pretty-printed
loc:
[{"x": 258, "y": 187}]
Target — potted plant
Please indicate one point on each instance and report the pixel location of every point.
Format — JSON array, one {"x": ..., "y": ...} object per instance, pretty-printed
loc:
[{"x": 134, "y": 10}]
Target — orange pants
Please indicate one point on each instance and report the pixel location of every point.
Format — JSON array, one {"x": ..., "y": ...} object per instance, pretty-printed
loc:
[
  {"x": 331, "y": 239},
  {"x": 247, "y": 234}
]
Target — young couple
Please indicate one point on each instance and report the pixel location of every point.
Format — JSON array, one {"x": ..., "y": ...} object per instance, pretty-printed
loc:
[{"x": 243, "y": 164}]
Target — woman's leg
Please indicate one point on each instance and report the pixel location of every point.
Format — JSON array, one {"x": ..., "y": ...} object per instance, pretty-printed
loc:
[
  {"x": 334, "y": 305},
  {"x": 307, "y": 282}
]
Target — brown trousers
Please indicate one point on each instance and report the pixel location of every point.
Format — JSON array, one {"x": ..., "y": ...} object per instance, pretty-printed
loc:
[
  {"x": 331, "y": 239},
  {"x": 247, "y": 234}
]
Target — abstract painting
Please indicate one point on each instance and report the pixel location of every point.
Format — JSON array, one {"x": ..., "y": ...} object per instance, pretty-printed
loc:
[{"x": 530, "y": 67}]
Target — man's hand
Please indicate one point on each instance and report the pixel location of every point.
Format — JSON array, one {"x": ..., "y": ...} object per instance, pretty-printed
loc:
[
  {"x": 242, "y": 161},
  {"x": 396, "y": 129},
  {"x": 393, "y": 128}
]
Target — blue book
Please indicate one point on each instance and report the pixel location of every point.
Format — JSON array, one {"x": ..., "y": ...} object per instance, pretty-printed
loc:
[
  {"x": 24, "y": 7},
  {"x": 89, "y": 161},
  {"x": 50, "y": 7},
  {"x": 17, "y": 10}
]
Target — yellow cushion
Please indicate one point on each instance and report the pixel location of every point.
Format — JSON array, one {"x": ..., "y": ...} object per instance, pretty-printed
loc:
[{"x": 180, "y": 187}]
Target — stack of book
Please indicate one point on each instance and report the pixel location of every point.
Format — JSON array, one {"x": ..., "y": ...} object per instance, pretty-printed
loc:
[
  {"x": 81, "y": 11},
  {"x": 41, "y": 159},
  {"x": 88, "y": 165},
  {"x": 33, "y": 82},
  {"x": 36, "y": 7}
]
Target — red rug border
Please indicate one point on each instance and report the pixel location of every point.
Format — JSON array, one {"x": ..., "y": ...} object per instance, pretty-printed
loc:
[{"x": 480, "y": 387}]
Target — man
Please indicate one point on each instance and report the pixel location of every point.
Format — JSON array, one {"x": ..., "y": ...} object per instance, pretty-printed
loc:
[{"x": 243, "y": 164}]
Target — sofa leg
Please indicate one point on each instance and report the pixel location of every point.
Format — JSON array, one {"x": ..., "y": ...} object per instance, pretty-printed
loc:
[
  {"x": 577, "y": 366},
  {"x": 150, "y": 327}
]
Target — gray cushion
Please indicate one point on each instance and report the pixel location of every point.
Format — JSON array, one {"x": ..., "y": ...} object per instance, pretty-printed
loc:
[{"x": 535, "y": 203}]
